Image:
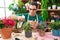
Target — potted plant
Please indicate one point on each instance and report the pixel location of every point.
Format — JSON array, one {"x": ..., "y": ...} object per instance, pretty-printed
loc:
[
  {"x": 28, "y": 30},
  {"x": 54, "y": 2},
  {"x": 58, "y": 6},
  {"x": 41, "y": 28},
  {"x": 17, "y": 8},
  {"x": 16, "y": 28},
  {"x": 6, "y": 26},
  {"x": 14, "y": 8},
  {"x": 55, "y": 26},
  {"x": 49, "y": 4}
]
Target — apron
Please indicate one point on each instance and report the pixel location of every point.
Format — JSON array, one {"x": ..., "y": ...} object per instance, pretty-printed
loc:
[
  {"x": 31, "y": 20},
  {"x": 35, "y": 26}
]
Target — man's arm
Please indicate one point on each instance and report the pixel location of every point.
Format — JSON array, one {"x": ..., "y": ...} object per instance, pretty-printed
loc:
[{"x": 17, "y": 17}]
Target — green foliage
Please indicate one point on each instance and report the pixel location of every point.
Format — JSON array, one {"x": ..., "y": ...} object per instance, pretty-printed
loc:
[
  {"x": 17, "y": 9},
  {"x": 54, "y": 1},
  {"x": 16, "y": 23},
  {"x": 26, "y": 26},
  {"x": 55, "y": 25},
  {"x": 11, "y": 6},
  {"x": 1, "y": 24},
  {"x": 44, "y": 15},
  {"x": 44, "y": 12},
  {"x": 20, "y": 3},
  {"x": 49, "y": 4},
  {"x": 58, "y": 4},
  {"x": 41, "y": 26}
]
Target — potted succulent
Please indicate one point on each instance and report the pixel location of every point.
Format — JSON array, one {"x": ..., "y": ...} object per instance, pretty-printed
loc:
[
  {"x": 41, "y": 28},
  {"x": 55, "y": 26},
  {"x": 6, "y": 26},
  {"x": 28, "y": 30}
]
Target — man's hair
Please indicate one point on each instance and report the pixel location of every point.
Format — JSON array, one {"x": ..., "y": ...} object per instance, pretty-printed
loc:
[{"x": 34, "y": 3}]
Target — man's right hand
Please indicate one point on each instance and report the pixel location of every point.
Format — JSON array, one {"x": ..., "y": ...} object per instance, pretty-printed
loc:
[{"x": 20, "y": 18}]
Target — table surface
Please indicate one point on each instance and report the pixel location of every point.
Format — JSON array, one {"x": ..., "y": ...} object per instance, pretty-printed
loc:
[{"x": 35, "y": 36}]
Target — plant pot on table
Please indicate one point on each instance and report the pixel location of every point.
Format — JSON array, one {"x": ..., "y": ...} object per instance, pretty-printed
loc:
[{"x": 6, "y": 33}]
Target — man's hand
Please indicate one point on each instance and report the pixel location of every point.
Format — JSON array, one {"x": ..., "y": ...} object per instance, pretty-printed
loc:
[
  {"x": 33, "y": 24},
  {"x": 20, "y": 18}
]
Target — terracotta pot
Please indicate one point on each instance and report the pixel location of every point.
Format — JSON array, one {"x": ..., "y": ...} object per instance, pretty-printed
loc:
[
  {"x": 0, "y": 31},
  {"x": 41, "y": 33},
  {"x": 6, "y": 33}
]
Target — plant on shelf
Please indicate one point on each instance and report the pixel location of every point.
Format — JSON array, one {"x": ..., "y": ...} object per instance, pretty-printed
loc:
[
  {"x": 55, "y": 26},
  {"x": 44, "y": 12},
  {"x": 28, "y": 29},
  {"x": 49, "y": 5},
  {"x": 6, "y": 26},
  {"x": 54, "y": 1},
  {"x": 54, "y": 4},
  {"x": 58, "y": 4}
]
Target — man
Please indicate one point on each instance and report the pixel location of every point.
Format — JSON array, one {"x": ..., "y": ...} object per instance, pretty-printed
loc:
[
  {"x": 31, "y": 17},
  {"x": 32, "y": 14},
  {"x": 54, "y": 17}
]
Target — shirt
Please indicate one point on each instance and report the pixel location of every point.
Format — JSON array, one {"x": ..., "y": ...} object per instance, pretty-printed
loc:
[{"x": 32, "y": 17}]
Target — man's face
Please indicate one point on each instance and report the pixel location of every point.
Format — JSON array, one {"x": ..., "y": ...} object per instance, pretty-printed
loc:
[
  {"x": 32, "y": 9},
  {"x": 52, "y": 14}
]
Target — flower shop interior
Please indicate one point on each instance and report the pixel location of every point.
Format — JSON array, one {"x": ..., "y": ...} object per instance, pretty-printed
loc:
[{"x": 30, "y": 20}]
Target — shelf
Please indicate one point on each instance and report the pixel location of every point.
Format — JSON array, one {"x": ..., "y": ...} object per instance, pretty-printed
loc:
[{"x": 49, "y": 9}]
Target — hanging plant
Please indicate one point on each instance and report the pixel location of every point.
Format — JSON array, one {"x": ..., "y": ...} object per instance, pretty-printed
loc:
[{"x": 44, "y": 11}]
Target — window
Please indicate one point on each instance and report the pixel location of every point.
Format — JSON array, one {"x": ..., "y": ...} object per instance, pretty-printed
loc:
[{"x": 4, "y": 11}]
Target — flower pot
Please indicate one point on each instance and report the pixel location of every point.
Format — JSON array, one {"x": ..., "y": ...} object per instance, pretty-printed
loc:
[
  {"x": 49, "y": 7},
  {"x": 58, "y": 7},
  {"x": 53, "y": 6},
  {"x": 41, "y": 32},
  {"x": 28, "y": 34},
  {"x": 55, "y": 32},
  {"x": 59, "y": 32},
  {"x": 6, "y": 33}
]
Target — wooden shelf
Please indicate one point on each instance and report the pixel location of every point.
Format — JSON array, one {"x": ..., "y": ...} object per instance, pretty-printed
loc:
[{"x": 49, "y": 9}]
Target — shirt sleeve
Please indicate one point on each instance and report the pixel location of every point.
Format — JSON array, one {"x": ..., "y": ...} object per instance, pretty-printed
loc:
[{"x": 24, "y": 14}]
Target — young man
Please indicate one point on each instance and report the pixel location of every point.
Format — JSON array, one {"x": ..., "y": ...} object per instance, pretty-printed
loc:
[
  {"x": 32, "y": 14},
  {"x": 32, "y": 17}
]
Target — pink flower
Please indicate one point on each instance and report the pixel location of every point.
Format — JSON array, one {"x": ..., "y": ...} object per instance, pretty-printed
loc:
[{"x": 8, "y": 23}]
